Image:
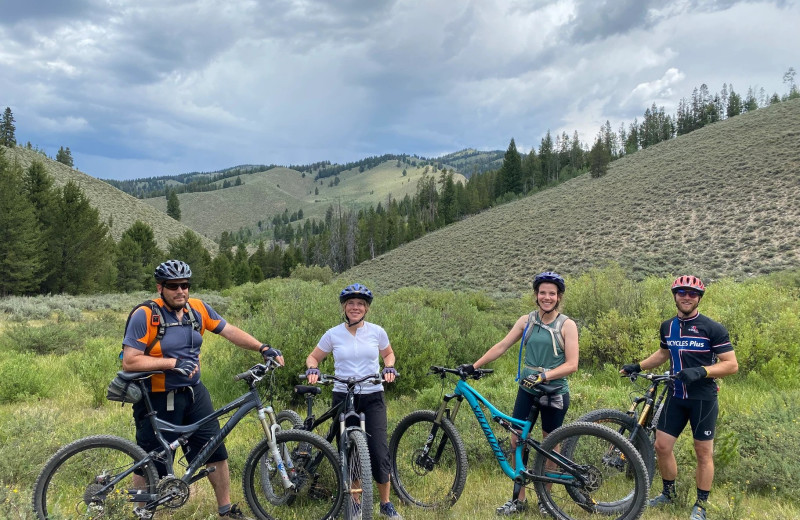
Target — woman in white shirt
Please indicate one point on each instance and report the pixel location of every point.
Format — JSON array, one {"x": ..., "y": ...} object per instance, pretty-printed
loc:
[{"x": 357, "y": 347}]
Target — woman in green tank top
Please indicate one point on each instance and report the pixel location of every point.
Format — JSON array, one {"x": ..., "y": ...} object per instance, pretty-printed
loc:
[{"x": 548, "y": 352}]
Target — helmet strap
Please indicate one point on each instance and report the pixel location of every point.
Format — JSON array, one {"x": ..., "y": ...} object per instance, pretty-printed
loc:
[{"x": 354, "y": 323}]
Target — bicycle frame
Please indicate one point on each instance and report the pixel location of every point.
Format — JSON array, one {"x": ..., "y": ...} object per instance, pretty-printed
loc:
[
  {"x": 651, "y": 405},
  {"x": 519, "y": 427}
]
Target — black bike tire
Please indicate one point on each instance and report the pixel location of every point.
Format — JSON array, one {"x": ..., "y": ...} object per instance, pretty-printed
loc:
[
  {"x": 252, "y": 467},
  {"x": 567, "y": 436},
  {"x": 460, "y": 452},
  {"x": 358, "y": 464},
  {"x": 79, "y": 446},
  {"x": 623, "y": 424},
  {"x": 289, "y": 417}
]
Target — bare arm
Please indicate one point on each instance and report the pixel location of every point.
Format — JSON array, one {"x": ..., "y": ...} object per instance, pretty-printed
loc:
[
  {"x": 499, "y": 348},
  {"x": 242, "y": 339},
  {"x": 313, "y": 360},
  {"x": 655, "y": 359},
  {"x": 134, "y": 360},
  {"x": 726, "y": 365},
  {"x": 569, "y": 331}
]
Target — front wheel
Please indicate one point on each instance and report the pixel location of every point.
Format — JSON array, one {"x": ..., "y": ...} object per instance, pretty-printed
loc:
[
  {"x": 86, "y": 479},
  {"x": 429, "y": 461},
  {"x": 358, "y": 480},
  {"x": 592, "y": 482},
  {"x": 317, "y": 490},
  {"x": 624, "y": 425}
]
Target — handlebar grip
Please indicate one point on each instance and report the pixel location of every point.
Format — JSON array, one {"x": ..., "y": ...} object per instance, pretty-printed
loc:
[{"x": 243, "y": 375}]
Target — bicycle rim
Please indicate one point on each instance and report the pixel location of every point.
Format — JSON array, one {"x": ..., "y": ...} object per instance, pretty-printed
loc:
[
  {"x": 610, "y": 488},
  {"x": 318, "y": 488},
  {"x": 425, "y": 479},
  {"x": 72, "y": 482}
]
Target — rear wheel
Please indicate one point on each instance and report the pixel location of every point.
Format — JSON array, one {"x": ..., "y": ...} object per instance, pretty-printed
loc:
[
  {"x": 317, "y": 489},
  {"x": 77, "y": 481},
  {"x": 358, "y": 503},
  {"x": 288, "y": 419},
  {"x": 624, "y": 424},
  {"x": 600, "y": 484},
  {"x": 429, "y": 461}
]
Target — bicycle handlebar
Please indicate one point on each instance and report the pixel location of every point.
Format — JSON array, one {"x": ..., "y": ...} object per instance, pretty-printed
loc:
[
  {"x": 328, "y": 379},
  {"x": 655, "y": 378},
  {"x": 479, "y": 372},
  {"x": 258, "y": 371}
]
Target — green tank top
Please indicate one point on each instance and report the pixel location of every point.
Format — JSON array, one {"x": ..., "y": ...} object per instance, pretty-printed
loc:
[{"x": 544, "y": 349}]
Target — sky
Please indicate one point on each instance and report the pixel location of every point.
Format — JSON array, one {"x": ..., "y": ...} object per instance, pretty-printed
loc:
[{"x": 142, "y": 88}]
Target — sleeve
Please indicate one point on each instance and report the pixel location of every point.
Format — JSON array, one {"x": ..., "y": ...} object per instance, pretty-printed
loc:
[
  {"x": 326, "y": 342},
  {"x": 209, "y": 318},
  {"x": 383, "y": 338},
  {"x": 720, "y": 340},
  {"x": 137, "y": 330},
  {"x": 663, "y": 332}
]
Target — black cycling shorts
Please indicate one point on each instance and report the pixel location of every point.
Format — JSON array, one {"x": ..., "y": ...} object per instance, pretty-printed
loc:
[
  {"x": 191, "y": 405},
  {"x": 700, "y": 413},
  {"x": 552, "y": 416},
  {"x": 374, "y": 408}
]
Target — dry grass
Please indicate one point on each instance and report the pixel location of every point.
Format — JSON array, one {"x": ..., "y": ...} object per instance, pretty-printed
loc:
[{"x": 721, "y": 201}]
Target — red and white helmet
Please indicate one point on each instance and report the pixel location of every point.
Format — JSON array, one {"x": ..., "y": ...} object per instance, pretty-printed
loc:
[{"x": 688, "y": 282}]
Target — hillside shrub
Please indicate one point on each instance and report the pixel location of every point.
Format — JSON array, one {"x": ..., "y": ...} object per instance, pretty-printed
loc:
[
  {"x": 49, "y": 338},
  {"x": 22, "y": 378},
  {"x": 323, "y": 274}
]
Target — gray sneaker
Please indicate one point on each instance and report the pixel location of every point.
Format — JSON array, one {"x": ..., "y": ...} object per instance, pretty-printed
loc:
[
  {"x": 512, "y": 507},
  {"x": 698, "y": 512},
  {"x": 660, "y": 500}
]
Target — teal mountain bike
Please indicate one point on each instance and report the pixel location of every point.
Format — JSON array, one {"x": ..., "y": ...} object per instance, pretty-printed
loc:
[{"x": 579, "y": 470}]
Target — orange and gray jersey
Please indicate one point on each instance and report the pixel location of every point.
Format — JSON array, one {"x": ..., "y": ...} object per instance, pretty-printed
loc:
[{"x": 180, "y": 341}]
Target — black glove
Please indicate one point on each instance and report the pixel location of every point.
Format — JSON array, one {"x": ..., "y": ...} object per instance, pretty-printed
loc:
[
  {"x": 632, "y": 368},
  {"x": 185, "y": 367},
  {"x": 467, "y": 369},
  {"x": 389, "y": 370},
  {"x": 268, "y": 352},
  {"x": 312, "y": 371},
  {"x": 690, "y": 375}
]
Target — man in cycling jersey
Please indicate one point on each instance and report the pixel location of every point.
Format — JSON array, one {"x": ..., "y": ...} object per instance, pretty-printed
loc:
[
  {"x": 699, "y": 350},
  {"x": 177, "y": 395}
]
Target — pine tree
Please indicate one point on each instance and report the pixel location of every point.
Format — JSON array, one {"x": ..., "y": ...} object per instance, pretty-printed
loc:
[
  {"x": 599, "y": 157},
  {"x": 79, "y": 245},
  {"x": 173, "y": 205},
  {"x": 7, "y": 129},
  {"x": 189, "y": 248},
  {"x": 148, "y": 255},
  {"x": 130, "y": 272},
  {"x": 21, "y": 259},
  {"x": 64, "y": 156},
  {"x": 510, "y": 178}
]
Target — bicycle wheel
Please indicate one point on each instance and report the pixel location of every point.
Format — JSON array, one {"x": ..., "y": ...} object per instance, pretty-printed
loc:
[
  {"x": 358, "y": 480},
  {"x": 318, "y": 486},
  {"x": 607, "y": 489},
  {"x": 623, "y": 424},
  {"x": 288, "y": 419},
  {"x": 71, "y": 483},
  {"x": 429, "y": 462}
]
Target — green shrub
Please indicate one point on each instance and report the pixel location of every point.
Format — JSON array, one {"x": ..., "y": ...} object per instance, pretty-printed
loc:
[
  {"x": 49, "y": 338},
  {"x": 323, "y": 274},
  {"x": 22, "y": 378}
]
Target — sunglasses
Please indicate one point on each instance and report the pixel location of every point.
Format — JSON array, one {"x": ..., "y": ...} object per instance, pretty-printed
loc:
[
  {"x": 684, "y": 292},
  {"x": 172, "y": 286}
]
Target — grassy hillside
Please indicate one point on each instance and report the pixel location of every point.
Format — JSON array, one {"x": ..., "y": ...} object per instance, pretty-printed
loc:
[
  {"x": 720, "y": 201},
  {"x": 121, "y": 208},
  {"x": 265, "y": 194}
]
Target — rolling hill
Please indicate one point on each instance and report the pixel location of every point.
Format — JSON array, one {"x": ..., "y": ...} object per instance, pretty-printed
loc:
[
  {"x": 268, "y": 193},
  {"x": 122, "y": 209},
  {"x": 720, "y": 201}
]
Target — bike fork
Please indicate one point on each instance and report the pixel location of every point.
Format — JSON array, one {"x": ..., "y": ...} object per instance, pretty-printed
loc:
[{"x": 281, "y": 462}]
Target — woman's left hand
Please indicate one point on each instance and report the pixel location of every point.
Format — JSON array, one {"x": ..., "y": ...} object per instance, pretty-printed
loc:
[{"x": 389, "y": 374}]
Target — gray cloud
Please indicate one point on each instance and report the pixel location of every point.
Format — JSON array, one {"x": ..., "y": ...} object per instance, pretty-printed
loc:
[{"x": 139, "y": 88}]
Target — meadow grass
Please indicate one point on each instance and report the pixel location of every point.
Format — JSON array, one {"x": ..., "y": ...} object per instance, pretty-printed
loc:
[{"x": 49, "y": 397}]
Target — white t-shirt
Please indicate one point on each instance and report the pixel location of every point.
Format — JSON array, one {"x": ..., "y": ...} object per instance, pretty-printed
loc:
[{"x": 355, "y": 356}]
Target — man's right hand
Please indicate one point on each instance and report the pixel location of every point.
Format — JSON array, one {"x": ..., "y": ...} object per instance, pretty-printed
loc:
[
  {"x": 185, "y": 367},
  {"x": 467, "y": 369},
  {"x": 631, "y": 368}
]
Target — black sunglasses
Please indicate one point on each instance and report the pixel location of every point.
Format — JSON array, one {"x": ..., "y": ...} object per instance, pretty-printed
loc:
[
  {"x": 172, "y": 286},
  {"x": 684, "y": 292}
]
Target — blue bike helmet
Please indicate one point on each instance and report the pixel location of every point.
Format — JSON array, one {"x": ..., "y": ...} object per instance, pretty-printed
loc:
[
  {"x": 172, "y": 270},
  {"x": 355, "y": 290},
  {"x": 551, "y": 277}
]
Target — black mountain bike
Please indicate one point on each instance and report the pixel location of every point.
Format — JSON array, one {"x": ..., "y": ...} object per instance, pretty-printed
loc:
[
  {"x": 638, "y": 424},
  {"x": 571, "y": 472},
  {"x": 92, "y": 478},
  {"x": 353, "y": 450}
]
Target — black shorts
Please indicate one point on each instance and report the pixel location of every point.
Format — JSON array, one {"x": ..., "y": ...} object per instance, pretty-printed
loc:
[
  {"x": 553, "y": 413},
  {"x": 191, "y": 405},
  {"x": 701, "y": 414},
  {"x": 374, "y": 408}
]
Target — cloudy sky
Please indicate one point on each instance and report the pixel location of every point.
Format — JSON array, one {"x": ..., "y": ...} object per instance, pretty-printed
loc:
[{"x": 139, "y": 88}]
